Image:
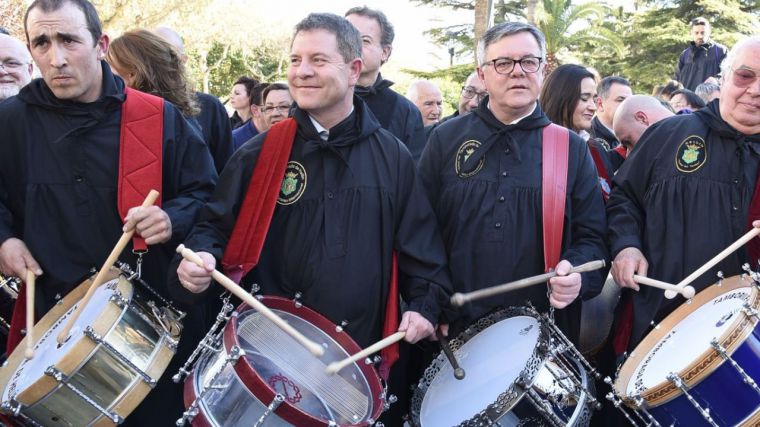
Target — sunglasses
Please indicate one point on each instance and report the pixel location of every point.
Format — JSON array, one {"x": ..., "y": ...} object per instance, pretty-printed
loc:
[{"x": 743, "y": 77}]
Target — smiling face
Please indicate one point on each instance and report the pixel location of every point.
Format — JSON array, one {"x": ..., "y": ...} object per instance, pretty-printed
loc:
[
  {"x": 276, "y": 106},
  {"x": 584, "y": 110},
  {"x": 67, "y": 56},
  {"x": 740, "y": 93},
  {"x": 514, "y": 94},
  {"x": 16, "y": 71}
]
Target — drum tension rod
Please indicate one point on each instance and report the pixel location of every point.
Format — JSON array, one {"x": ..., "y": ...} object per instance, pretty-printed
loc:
[
  {"x": 63, "y": 379},
  {"x": 724, "y": 354},
  {"x": 705, "y": 412},
  {"x": 90, "y": 333}
]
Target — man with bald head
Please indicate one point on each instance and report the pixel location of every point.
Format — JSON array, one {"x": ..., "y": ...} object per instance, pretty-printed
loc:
[
  {"x": 15, "y": 66},
  {"x": 428, "y": 99},
  {"x": 634, "y": 116},
  {"x": 686, "y": 192}
]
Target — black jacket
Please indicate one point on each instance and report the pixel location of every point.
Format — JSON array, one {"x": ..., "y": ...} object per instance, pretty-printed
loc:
[
  {"x": 396, "y": 114},
  {"x": 489, "y": 208},
  {"x": 681, "y": 197},
  {"x": 600, "y": 131},
  {"x": 697, "y": 63},
  {"x": 216, "y": 129},
  {"x": 345, "y": 206}
]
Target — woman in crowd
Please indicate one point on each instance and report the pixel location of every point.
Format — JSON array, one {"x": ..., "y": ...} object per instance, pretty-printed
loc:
[
  {"x": 685, "y": 101},
  {"x": 240, "y": 100}
]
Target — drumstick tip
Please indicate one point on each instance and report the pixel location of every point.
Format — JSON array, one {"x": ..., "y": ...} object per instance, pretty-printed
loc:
[
  {"x": 180, "y": 248},
  {"x": 458, "y": 299},
  {"x": 332, "y": 368},
  {"x": 29, "y": 353},
  {"x": 688, "y": 292},
  {"x": 459, "y": 373}
]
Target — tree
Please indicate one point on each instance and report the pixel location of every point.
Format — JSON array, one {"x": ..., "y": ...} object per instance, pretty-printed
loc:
[{"x": 12, "y": 17}]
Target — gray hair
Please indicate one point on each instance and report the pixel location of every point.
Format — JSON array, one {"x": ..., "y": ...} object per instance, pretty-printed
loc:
[
  {"x": 728, "y": 62},
  {"x": 705, "y": 89},
  {"x": 346, "y": 35},
  {"x": 603, "y": 88},
  {"x": 497, "y": 32}
]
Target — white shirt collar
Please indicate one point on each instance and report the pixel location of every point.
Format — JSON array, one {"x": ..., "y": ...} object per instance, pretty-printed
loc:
[{"x": 320, "y": 129}]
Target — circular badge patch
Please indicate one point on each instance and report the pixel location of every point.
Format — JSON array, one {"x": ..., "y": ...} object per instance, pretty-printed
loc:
[
  {"x": 293, "y": 184},
  {"x": 691, "y": 154},
  {"x": 464, "y": 153}
]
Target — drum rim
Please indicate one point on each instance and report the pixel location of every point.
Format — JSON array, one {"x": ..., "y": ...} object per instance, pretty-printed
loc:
[
  {"x": 510, "y": 396},
  {"x": 111, "y": 315},
  {"x": 264, "y": 392},
  {"x": 706, "y": 362}
]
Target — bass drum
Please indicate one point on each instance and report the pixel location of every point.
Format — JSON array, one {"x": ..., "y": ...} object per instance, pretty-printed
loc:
[{"x": 597, "y": 315}]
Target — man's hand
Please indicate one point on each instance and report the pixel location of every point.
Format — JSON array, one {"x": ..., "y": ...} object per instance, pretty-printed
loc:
[
  {"x": 565, "y": 287},
  {"x": 196, "y": 279},
  {"x": 416, "y": 326},
  {"x": 15, "y": 259},
  {"x": 628, "y": 262},
  {"x": 151, "y": 223}
]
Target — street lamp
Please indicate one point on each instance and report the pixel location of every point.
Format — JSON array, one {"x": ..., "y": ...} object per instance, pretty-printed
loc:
[{"x": 450, "y": 41}]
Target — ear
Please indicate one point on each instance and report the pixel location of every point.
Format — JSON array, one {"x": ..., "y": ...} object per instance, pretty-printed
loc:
[
  {"x": 354, "y": 71},
  {"x": 386, "y": 54},
  {"x": 599, "y": 104},
  {"x": 481, "y": 75},
  {"x": 641, "y": 117},
  {"x": 255, "y": 111},
  {"x": 102, "y": 46}
]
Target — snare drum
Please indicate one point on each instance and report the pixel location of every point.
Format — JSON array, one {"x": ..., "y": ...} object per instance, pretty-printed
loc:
[
  {"x": 116, "y": 352},
  {"x": 701, "y": 365},
  {"x": 9, "y": 288},
  {"x": 259, "y": 375},
  {"x": 520, "y": 370}
]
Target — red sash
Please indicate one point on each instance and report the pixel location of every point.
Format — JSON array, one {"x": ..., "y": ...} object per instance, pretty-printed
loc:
[
  {"x": 620, "y": 149},
  {"x": 601, "y": 171},
  {"x": 555, "y": 147},
  {"x": 389, "y": 355}
]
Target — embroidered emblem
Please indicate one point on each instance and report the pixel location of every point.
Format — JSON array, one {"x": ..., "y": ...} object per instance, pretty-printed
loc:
[
  {"x": 465, "y": 151},
  {"x": 691, "y": 154},
  {"x": 287, "y": 388},
  {"x": 293, "y": 184}
]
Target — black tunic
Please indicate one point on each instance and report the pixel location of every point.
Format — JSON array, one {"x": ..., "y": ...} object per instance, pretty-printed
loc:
[
  {"x": 489, "y": 208},
  {"x": 361, "y": 200},
  {"x": 216, "y": 129},
  {"x": 681, "y": 218}
]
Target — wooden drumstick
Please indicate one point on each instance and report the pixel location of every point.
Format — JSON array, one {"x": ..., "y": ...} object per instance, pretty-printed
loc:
[
  {"x": 30, "y": 279},
  {"x": 249, "y": 299},
  {"x": 100, "y": 277},
  {"x": 459, "y": 299},
  {"x": 718, "y": 258},
  {"x": 334, "y": 367},
  {"x": 458, "y": 371},
  {"x": 687, "y": 291}
]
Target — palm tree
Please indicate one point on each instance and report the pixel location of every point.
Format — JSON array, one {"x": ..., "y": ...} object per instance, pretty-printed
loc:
[
  {"x": 482, "y": 20},
  {"x": 566, "y": 25}
]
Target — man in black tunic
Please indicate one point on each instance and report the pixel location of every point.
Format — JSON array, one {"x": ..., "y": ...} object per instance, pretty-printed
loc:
[
  {"x": 483, "y": 173},
  {"x": 351, "y": 198},
  {"x": 60, "y": 152},
  {"x": 684, "y": 193}
]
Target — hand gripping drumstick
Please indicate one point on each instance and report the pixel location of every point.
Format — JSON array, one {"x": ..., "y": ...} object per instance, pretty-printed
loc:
[
  {"x": 249, "y": 299},
  {"x": 30, "y": 279},
  {"x": 459, "y": 299},
  {"x": 687, "y": 291},
  {"x": 101, "y": 276},
  {"x": 718, "y": 258},
  {"x": 334, "y": 367}
]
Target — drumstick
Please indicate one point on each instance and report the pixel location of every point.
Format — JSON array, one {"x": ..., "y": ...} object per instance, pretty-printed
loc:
[
  {"x": 30, "y": 279},
  {"x": 334, "y": 367},
  {"x": 687, "y": 291},
  {"x": 249, "y": 299},
  {"x": 458, "y": 371},
  {"x": 101, "y": 276},
  {"x": 718, "y": 258},
  {"x": 459, "y": 299}
]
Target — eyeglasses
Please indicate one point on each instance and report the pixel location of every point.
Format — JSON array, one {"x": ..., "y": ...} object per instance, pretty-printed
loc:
[
  {"x": 529, "y": 64},
  {"x": 12, "y": 64},
  {"x": 743, "y": 77},
  {"x": 470, "y": 92},
  {"x": 282, "y": 109}
]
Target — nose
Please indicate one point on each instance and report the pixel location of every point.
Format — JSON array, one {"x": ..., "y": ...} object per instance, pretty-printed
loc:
[
  {"x": 56, "y": 56},
  {"x": 304, "y": 69},
  {"x": 591, "y": 105}
]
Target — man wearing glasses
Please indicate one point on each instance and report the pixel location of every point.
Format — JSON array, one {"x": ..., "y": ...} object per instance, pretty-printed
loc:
[
  {"x": 689, "y": 190},
  {"x": 15, "y": 66},
  {"x": 483, "y": 175},
  {"x": 277, "y": 103}
]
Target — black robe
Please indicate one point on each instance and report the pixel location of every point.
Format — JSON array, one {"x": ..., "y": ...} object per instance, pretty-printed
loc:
[
  {"x": 678, "y": 218},
  {"x": 216, "y": 129},
  {"x": 489, "y": 208},
  {"x": 361, "y": 199}
]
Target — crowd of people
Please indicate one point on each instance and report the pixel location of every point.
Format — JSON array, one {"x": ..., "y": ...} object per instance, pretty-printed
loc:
[{"x": 382, "y": 198}]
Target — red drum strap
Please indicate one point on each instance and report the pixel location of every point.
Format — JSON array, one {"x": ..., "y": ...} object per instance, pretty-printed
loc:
[{"x": 556, "y": 141}]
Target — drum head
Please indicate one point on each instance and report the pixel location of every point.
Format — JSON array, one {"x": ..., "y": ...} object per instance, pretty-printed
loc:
[
  {"x": 492, "y": 359},
  {"x": 681, "y": 342}
]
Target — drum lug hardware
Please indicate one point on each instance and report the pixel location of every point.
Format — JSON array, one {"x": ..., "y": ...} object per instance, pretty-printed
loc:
[
  {"x": 297, "y": 300},
  {"x": 746, "y": 378},
  {"x": 342, "y": 325},
  {"x": 90, "y": 333},
  {"x": 278, "y": 399},
  {"x": 750, "y": 311},
  {"x": 235, "y": 353},
  {"x": 255, "y": 288},
  {"x": 705, "y": 412},
  {"x": 118, "y": 299},
  {"x": 374, "y": 360},
  {"x": 63, "y": 379},
  {"x": 58, "y": 299},
  {"x": 378, "y": 424},
  {"x": 389, "y": 401}
]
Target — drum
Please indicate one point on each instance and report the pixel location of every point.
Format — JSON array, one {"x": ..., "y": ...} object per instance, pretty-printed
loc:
[
  {"x": 9, "y": 288},
  {"x": 597, "y": 316},
  {"x": 116, "y": 352},
  {"x": 520, "y": 370},
  {"x": 700, "y": 366},
  {"x": 256, "y": 374}
]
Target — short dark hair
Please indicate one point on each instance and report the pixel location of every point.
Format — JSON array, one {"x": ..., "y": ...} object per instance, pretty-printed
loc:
[
  {"x": 3, "y": 30},
  {"x": 272, "y": 87},
  {"x": 256, "y": 94},
  {"x": 670, "y": 87},
  {"x": 699, "y": 21},
  {"x": 346, "y": 35},
  {"x": 561, "y": 92},
  {"x": 387, "y": 34},
  {"x": 90, "y": 15},
  {"x": 603, "y": 88},
  {"x": 248, "y": 82},
  {"x": 691, "y": 98}
]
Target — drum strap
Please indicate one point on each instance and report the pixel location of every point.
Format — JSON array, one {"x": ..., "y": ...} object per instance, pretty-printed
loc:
[
  {"x": 255, "y": 215},
  {"x": 140, "y": 155},
  {"x": 556, "y": 141},
  {"x": 389, "y": 355},
  {"x": 620, "y": 149},
  {"x": 753, "y": 246},
  {"x": 140, "y": 152},
  {"x": 601, "y": 170}
]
